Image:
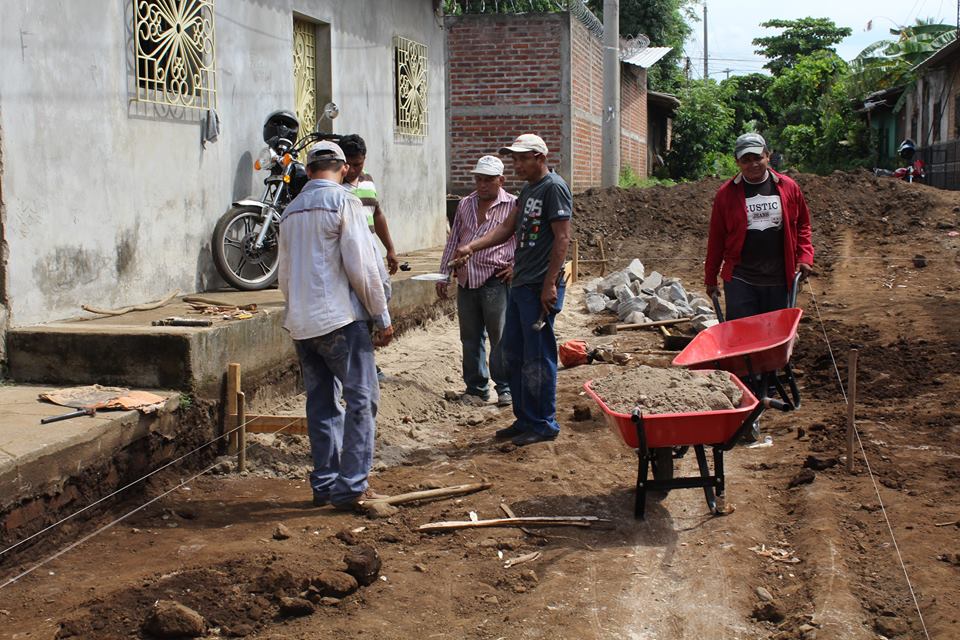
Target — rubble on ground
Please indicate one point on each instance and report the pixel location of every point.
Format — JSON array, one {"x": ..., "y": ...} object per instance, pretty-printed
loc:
[{"x": 638, "y": 297}]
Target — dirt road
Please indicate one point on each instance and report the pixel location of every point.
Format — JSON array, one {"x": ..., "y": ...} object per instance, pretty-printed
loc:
[{"x": 835, "y": 571}]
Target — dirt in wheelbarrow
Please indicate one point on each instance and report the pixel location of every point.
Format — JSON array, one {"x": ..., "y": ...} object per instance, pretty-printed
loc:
[
  {"x": 657, "y": 390},
  {"x": 807, "y": 552}
]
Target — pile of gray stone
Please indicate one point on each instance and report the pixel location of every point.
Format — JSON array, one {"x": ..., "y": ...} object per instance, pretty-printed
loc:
[{"x": 638, "y": 297}]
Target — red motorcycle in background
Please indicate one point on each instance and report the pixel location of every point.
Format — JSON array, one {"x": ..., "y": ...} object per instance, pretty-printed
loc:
[{"x": 913, "y": 171}]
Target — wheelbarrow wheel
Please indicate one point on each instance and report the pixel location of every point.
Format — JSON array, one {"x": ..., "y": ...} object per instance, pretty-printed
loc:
[{"x": 662, "y": 463}]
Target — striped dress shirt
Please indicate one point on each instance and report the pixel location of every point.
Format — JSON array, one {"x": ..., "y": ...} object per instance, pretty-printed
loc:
[{"x": 483, "y": 264}]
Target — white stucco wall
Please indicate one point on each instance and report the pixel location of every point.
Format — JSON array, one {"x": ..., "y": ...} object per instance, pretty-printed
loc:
[{"x": 112, "y": 202}]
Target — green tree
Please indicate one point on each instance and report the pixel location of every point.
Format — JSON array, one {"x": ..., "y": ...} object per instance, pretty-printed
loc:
[
  {"x": 886, "y": 64},
  {"x": 747, "y": 96},
  {"x": 799, "y": 38},
  {"x": 702, "y": 133},
  {"x": 665, "y": 22},
  {"x": 816, "y": 127}
]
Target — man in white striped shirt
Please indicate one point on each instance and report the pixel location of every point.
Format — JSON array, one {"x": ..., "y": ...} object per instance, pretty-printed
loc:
[{"x": 483, "y": 282}]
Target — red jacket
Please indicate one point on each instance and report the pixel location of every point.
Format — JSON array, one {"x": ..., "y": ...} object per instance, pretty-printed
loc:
[{"x": 728, "y": 228}]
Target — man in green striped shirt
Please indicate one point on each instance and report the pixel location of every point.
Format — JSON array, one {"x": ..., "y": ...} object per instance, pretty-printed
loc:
[{"x": 362, "y": 185}]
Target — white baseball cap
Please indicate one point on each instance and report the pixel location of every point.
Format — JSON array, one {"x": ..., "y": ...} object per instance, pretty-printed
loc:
[
  {"x": 325, "y": 150},
  {"x": 526, "y": 143},
  {"x": 489, "y": 166}
]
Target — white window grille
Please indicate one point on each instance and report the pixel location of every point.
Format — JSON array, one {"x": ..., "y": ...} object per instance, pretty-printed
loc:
[
  {"x": 411, "y": 87},
  {"x": 175, "y": 52}
]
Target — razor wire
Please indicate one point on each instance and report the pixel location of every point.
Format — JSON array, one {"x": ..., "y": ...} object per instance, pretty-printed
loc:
[
  {"x": 866, "y": 461},
  {"x": 166, "y": 465}
]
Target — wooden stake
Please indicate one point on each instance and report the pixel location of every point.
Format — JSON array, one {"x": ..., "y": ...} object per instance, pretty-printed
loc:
[
  {"x": 603, "y": 257},
  {"x": 241, "y": 432},
  {"x": 230, "y": 411},
  {"x": 575, "y": 264},
  {"x": 851, "y": 403}
]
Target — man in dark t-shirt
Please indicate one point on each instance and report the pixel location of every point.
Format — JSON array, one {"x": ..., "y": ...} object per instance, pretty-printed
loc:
[
  {"x": 540, "y": 226},
  {"x": 759, "y": 234}
]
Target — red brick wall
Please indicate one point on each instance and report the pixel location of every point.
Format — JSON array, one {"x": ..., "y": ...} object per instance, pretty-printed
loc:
[
  {"x": 587, "y": 100},
  {"x": 586, "y": 79},
  {"x": 633, "y": 119},
  {"x": 500, "y": 69},
  {"x": 506, "y": 75}
]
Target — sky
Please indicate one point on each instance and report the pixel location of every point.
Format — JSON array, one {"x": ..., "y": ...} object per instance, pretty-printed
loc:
[{"x": 733, "y": 24}]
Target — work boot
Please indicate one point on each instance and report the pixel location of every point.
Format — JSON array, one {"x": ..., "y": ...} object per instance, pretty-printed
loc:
[
  {"x": 354, "y": 504},
  {"x": 532, "y": 437},
  {"x": 509, "y": 432},
  {"x": 504, "y": 399}
]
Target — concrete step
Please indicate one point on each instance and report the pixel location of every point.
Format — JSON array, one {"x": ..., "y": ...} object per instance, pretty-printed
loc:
[{"x": 128, "y": 351}]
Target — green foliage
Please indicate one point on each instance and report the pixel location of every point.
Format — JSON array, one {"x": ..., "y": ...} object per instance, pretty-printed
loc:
[
  {"x": 630, "y": 180},
  {"x": 186, "y": 401},
  {"x": 460, "y": 7},
  {"x": 886, "y": 64},
  {"x": 799, "y": 38},
  {"x": 702, "y": 128},
  {"x": 747, "y": 96},
  {"x": 816, "y": 127}
]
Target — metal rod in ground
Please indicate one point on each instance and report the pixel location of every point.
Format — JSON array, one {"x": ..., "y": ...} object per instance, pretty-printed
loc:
[
  {"x": 230, "y": 402},
  {"x": 851, "y": 406},
  {"x": 241, "y": 432}
]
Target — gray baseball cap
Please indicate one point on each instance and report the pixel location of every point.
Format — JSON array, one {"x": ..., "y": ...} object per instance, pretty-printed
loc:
[
  {"x": 526, "y": 143},
  {"x": 325, "y": 150},
  {"x": 750, "y": 143}
]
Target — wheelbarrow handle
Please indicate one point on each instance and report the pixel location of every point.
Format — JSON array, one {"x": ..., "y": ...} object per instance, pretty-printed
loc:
[
  {"x": 716, "y": 306},
  {"x": 795, "y": 290}
]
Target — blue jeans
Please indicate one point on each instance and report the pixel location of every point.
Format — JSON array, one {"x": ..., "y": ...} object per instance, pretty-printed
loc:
[
  {"x": 481, "y": 312},
  {"x": 531, "y": 360},
  {"x": 341, "y": 443},
  {"x": 744, "y": 299}
]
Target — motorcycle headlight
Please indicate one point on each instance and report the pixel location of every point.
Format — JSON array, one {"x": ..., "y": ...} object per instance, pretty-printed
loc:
[{"x": 265, "y": 160}]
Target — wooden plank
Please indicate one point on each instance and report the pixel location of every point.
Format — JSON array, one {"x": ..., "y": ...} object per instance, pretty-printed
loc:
[
  {"x": 230, "y": 412},
  {"x": 575, "y": 263},
  {"x": 272, "y": 424},
  {"x": 241, "y": 432}
]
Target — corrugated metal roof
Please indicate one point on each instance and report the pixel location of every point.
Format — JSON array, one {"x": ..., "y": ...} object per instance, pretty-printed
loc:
[{"x": 648, "y": 57}]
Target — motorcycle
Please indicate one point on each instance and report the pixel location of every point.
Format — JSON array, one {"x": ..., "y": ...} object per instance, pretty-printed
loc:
[
  {"x": 245, "y": 238},
  {"x": 913, "y": 171}
]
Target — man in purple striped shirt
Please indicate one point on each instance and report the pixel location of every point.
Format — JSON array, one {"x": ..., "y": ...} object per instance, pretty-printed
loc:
[{"x": 483, "y": 282}]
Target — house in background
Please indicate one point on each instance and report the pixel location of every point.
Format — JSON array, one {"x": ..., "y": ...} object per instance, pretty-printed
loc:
[
  {"x": 541, "y": 73},
  {"x": 932, "y": 116},
  {"x": 107, "y": 194},
  {"x": 887, "y": 125}
]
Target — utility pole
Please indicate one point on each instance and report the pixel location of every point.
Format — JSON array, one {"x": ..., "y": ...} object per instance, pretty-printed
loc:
[
  {"x": 727, "y": 71},
  {"x": 706, "y": 52},
  {"x": 610, "y": 159}
]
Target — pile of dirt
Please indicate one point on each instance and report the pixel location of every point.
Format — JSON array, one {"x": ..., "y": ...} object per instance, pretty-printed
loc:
[
  {"x": 657, "y": 390},
  {"x": 629, "y": 219}
]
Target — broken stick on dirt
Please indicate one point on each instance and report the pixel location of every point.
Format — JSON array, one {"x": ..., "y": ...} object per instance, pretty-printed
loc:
[
  {"x": 535, "y": 521},
  {"x": 429, "y": 494},
  {"x": 137, "y": 307}
]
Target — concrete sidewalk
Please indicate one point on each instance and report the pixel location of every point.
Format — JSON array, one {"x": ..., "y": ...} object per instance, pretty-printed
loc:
[
  {"x": 47, "y": 467},
  {"x": 127, "y": 350}
]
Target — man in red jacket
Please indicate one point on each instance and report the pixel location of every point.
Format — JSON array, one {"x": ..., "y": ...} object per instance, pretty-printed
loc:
[{"x": 759, "y": 234}]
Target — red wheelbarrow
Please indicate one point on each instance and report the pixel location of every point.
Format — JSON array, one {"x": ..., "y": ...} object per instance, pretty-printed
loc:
[
  {"x": 750, "y": 349},
  {"x": 660, "y": 438},
  {"x": 756, "y": 349}
]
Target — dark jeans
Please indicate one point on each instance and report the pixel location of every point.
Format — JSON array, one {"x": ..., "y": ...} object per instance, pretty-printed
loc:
[
  {"x": 745, "y": 299},
  {"x": 531, "y": 360},
  {"x": 340, "y": 364},
  {"x": 481, "y": 312}
]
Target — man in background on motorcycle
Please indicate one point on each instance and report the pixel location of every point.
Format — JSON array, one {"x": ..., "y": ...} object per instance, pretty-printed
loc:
[
  {"x": 362, "y": 185},
  {"x": 329, "y": 274}
]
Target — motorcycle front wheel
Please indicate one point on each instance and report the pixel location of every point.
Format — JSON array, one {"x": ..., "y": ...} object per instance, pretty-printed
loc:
[{"x": 239, "y": 263}]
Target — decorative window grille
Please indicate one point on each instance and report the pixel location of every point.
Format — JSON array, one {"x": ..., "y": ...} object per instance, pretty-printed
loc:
[
  {"x": 175, "y": 52},
  {"x": 305, "y": 73},
  {"x": 411, "y": 87}
]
